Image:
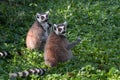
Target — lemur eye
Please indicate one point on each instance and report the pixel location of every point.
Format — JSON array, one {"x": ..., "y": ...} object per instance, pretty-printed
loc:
[
  {"x": 54, "y": 28},
  {"x": 37, "y": 16},
  {"x": 42, "y": 17},
  {"x": 59, "y": 29},
  {"x": 46, "y": 16}
]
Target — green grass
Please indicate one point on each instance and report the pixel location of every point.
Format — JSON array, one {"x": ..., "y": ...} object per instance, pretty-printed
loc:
[{"x": 97, "y": 22}]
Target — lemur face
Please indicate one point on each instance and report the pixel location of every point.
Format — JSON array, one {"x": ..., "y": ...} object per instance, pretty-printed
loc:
[
  {"x": 42, "y": 17},
  {"x": 60, "y": 29}
]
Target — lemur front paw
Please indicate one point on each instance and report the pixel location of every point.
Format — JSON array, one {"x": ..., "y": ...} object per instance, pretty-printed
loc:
[{"x": 78, "y": 39}]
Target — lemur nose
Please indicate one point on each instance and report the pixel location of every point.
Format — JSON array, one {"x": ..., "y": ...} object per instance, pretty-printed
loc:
[
  {"x": 45, "y": 20},
  {"x": 63, "y": 32}
]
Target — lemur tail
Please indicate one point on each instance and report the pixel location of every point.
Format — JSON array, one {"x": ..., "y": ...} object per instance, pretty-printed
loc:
[
  {"x": 4, "y": 54},
  {"x": 26, "y": 73},
  {"x": 8, "y": 54}
]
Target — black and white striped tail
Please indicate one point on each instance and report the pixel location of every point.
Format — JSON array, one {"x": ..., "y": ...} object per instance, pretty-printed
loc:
[
  {"x": 4, "y": 54},
  {"x": 26, "y": 73}
]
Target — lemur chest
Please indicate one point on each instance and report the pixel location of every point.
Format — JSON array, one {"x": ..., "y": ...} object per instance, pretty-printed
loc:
[
  {"x": 45, "y": 35},
  {"x": 45, "y": 25},
  {"x": 62, "y": 43}
]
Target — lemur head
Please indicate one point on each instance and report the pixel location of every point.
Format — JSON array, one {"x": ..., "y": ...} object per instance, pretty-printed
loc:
[
  {"x": 42, "y": 18},
  {"x": 60, "y": 29}
]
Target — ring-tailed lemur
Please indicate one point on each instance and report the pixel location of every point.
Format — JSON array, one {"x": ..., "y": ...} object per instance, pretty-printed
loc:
[
  {"x": 57, "y": 48},
  {"x": 38, "y": 33},
  {"x": 26, "y": 73}
]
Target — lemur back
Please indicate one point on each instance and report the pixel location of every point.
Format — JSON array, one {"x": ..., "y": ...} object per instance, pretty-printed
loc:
[
  {"x": 57, "y": 48},
  {"x": 38, "y": 33}
]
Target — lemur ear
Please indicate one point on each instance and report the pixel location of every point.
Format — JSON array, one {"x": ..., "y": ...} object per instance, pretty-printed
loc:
[
  {"x": 37, "y": 15},
  {"x": 54, "y": 26},
  {"x": 47, "y": 12},
  {"x": 65, "y": 23}
]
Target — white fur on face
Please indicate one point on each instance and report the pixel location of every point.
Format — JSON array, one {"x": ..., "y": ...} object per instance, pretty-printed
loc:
[
  {"x": 42, "y": 17},
  {"x": 60, "y": 32},
  {"x": 56, "y": 31},
  {"x": 39, "y": 18},
  {"x": 62, "y": 29}
]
